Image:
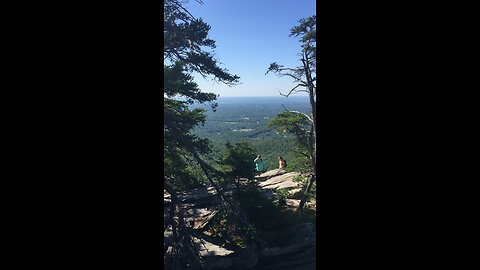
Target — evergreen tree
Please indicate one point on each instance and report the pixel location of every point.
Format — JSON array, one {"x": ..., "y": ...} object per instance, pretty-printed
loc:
[
  {"x": 186, "y": 47},
  {"x": 304, "y": 77},
  {"x": 186, "y": 50},
  {"x": 239, "y": 161}
]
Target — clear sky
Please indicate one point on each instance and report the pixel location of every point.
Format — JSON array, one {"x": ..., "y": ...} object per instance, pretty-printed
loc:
[{"x": 251, "y": 34}]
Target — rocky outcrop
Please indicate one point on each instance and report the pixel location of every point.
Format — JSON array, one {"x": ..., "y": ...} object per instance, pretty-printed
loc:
[
  {"x": 280, "y": 181},
  {"x": 295, "y": 251}
]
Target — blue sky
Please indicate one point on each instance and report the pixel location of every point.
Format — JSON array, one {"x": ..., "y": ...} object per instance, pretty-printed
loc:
[{"x": 251, "y": 34}]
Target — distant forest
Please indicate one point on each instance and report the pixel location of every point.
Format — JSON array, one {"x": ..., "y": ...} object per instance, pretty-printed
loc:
[{"x": 244, "y": 119}]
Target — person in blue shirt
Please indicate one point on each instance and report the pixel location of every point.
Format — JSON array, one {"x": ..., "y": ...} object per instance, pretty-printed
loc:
[{"x": 260, "y": 164}]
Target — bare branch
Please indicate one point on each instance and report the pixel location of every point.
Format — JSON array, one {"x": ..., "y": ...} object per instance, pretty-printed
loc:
[
  {"x": 294, "y": 92},
  {"x": 179, "y": 6},
  {"x": 296, "y": 78},
  {"x": 278, "y": 68},
  {"x": 290, "y": 92}
]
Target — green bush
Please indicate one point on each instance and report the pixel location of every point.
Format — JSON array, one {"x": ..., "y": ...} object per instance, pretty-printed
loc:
[
  {"x": 264, "y": 214},
  {"x": 282, "y": 195},
  {"x": 238, "y": 160},
  {"x": 226, "y": 227},
  {"x": 267, "y": 217}
]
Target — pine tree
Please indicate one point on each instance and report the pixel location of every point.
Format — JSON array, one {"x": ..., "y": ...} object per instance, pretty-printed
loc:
[
  {"x": 186, "y": 50},
  {"x": 238, "y": 159},
  {"x": 304, "y": 77}
]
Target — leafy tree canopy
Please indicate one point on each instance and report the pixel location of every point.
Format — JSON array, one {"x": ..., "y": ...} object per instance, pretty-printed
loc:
[
  {"x": 239, "y": 160},
  {"x": 293, "y": 123}
]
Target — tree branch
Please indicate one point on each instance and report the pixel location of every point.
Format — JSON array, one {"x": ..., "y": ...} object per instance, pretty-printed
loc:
[
  {"x": 301, "y": 153},
  {"x": 290, "y": 92},
  {"x": 296, "y": 79},
  {"x": 308, "y": 117},
  {"x": 179, "y": 6},
  {"x": 233, "y": 206}
]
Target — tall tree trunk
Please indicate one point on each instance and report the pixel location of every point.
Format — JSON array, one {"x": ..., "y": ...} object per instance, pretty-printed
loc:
[
  {"x": 313, "y": 165},
  {"x": 311, "y": 93},
  {"x": 310, "y": 181}
]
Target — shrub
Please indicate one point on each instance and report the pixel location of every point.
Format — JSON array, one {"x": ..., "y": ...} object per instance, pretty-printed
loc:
[
  {"x": 282, "y": 195},
  {"x": 238, "y": 160}
]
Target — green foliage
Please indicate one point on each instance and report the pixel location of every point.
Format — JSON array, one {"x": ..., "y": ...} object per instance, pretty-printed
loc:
[
  {"x": 299, "y": 127},
  {"x": 272, "y": 148},
  {"x": 186, "y": 39},
  {"x": 307, "y": 30},
  {"x": 238, "y": 159},
  {"x": 264, "y": 213},
  {"x": 179, "y": 120},
  {"x": 187, "y": 174},
  {"x": 305, "y": 80},
  {"x": 219, "y": 227},
  {"x": 312, "y": 195},
  {"x": 282, "y": 195},
  {"x": 261, "y": 211},
  {"x": 299, "y": 163},
  {"x": 288, "y": 121},
  {"x": 178, "y": 83},
  {"x": 293, "y": 123},
  {"x": 299, "y": 178},
  {"x": 233, "y": 114},
  {"x": 226, "y": 227}
]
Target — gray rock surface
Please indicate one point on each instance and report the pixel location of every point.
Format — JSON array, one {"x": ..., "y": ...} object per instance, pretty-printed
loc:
[
  {"x": 297, "y": 250},
  {"x": 280, "y": 181}
]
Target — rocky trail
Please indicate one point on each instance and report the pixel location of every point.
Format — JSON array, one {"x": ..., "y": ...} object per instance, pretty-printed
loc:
[{"x": 200, "y": 205}]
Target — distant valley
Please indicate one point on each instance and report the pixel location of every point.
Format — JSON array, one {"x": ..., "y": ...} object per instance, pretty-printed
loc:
[{"x": 245, "y": 119}]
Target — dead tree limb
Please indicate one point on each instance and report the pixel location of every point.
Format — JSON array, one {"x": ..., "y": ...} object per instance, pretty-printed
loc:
[
  {"x": 292, "y": 90},
  {"x": 182, "y": 238}
]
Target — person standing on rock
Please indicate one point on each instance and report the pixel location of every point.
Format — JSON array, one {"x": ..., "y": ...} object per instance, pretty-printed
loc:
[
  {"x": 281, "y": 163},
  {"x": 259, "y": 164}
]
